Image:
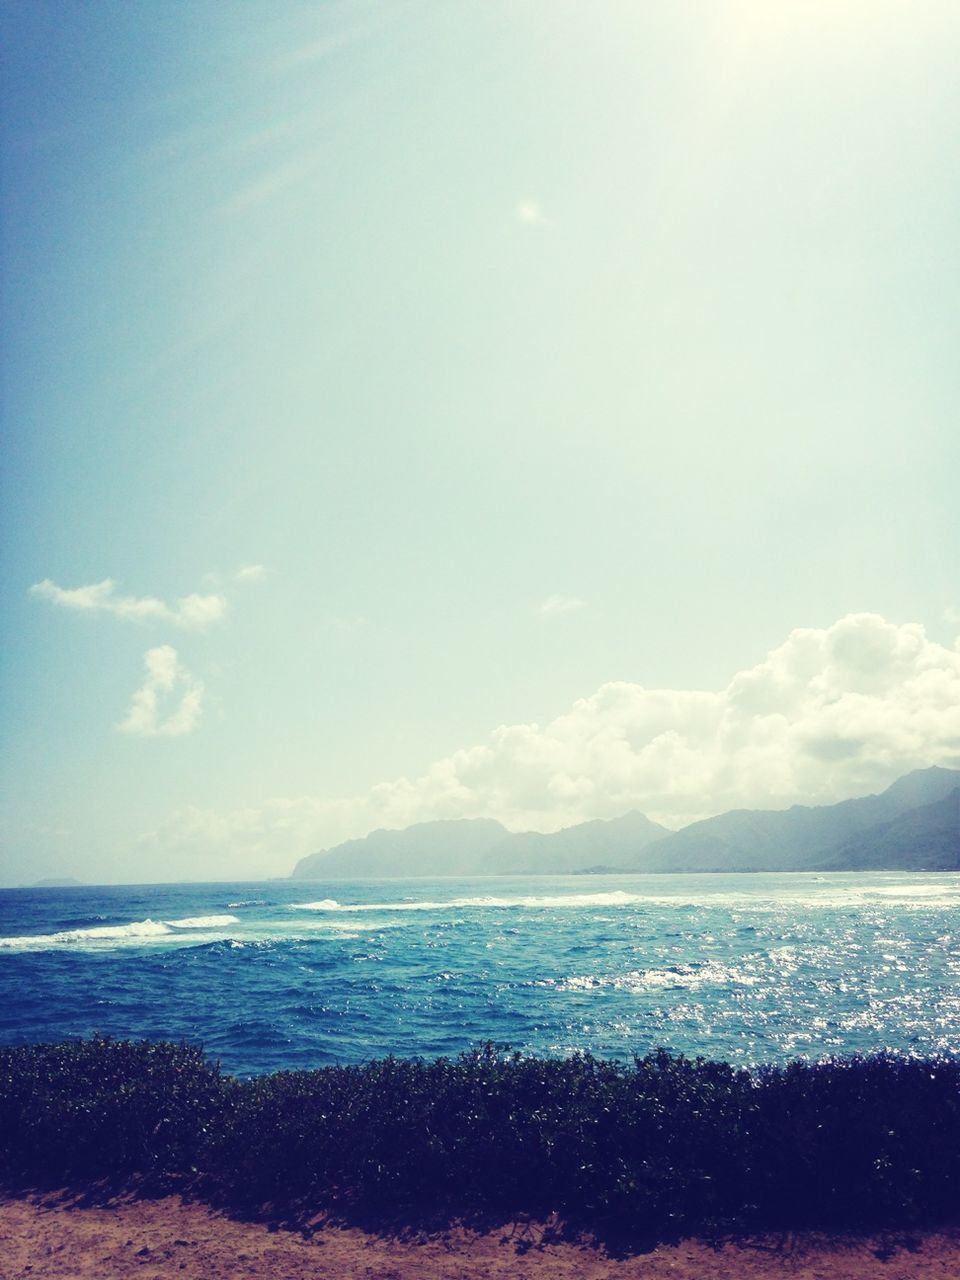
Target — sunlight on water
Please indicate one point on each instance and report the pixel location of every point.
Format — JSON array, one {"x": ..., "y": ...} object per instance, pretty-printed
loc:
[{"x": 747, "y": 968}]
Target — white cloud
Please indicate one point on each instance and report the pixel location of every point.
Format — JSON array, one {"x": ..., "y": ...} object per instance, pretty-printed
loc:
[
  {"x": 165, "y": 682},
  {"x": 554, "y": 606},
  {"x": 529, "y": 212},
  {"x": 250, "y": 573},
  {"x": 830, "y": 713},
  {"x": 194, "y": 612},
  {"x": 197, "y": 612}
]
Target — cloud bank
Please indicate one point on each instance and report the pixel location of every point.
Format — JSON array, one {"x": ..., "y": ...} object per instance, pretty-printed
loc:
[
  {"x": 829, "y": 714},
  {"x": 193, "y": 613},
  {"x": 165, "y": 678}
]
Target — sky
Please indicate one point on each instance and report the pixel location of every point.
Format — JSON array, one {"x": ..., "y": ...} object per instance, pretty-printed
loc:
[{"x": 523, "y": 409}]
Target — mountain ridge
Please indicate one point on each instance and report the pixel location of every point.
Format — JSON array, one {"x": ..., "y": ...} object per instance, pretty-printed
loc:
[
  {"x": 795, "y": 839},
  {"x": 849, "y": 835},
  {"x": 926, "y": 835}
]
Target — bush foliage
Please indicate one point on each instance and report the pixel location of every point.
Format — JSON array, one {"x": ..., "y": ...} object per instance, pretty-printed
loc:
[{"x": 665, "y": 1146}]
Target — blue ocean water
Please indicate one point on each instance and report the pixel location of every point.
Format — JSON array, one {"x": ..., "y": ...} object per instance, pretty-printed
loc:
[{"x": 281, "y": 974}]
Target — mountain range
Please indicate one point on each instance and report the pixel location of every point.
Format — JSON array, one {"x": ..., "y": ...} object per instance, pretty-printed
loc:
[{"x": 914, "y": 825}]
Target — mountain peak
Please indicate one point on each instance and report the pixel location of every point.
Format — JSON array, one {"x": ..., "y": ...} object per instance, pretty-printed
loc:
[
  {"x": 795, "y": 839},
  {"x": 921, "y": 786}
]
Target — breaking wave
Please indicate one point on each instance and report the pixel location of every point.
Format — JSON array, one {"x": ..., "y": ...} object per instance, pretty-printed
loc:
[
  {"x": 795, "y": 895},
  {"x": 614, "y": 899},
  {"x": 203, "y": 922},
  {"x": 138, "y": 931}
]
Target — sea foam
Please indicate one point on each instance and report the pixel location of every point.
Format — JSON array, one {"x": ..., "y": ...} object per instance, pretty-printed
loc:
[
  {"x": 137, "y": 931},
  {"x": 939, "y": 894},
  {"x": 613, "y": 899},
  {"x": 203, "y": 922}
]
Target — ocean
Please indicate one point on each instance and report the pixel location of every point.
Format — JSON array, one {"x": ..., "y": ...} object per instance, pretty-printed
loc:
[{"x": 293, "y": 974}]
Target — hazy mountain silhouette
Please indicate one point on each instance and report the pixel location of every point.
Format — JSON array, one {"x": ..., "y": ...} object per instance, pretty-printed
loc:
[
  {"x": 452, "y": 847},
  {"x": 612, "y": 844},
  {"x": 923, "y": 839},
  {"x": 796, "y": 839},
  {"x": 912, "y": 825},
  {"x": 482, "y": 846}
]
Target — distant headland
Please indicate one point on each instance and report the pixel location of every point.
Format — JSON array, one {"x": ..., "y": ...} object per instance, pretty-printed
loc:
[{"x": 914, "y": 825}]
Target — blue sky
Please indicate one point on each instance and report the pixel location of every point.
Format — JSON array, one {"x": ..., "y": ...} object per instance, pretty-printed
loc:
[{"x": 458, "y": 362}]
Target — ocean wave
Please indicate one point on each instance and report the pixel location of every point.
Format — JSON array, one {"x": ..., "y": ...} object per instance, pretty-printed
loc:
[
  {"x": 830, "y": 897},
  {"x": 137, "y": 931},
  {"x": 82, "y": 922},
  {"x": 343, "y": 926},
  {"x": 616, "y": 898},
  {"x": 906, "y": 891},
  {"x": 203, "y": 922}
]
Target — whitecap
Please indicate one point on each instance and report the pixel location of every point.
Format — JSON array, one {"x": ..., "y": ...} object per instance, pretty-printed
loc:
[
  {"x": 916, "y": 890},
  {"x": 344, "y": 926},
  {"x": 616, "y": 898},
  {"x": 203, "y": 922},
  {"x": 139, "y": 931}
]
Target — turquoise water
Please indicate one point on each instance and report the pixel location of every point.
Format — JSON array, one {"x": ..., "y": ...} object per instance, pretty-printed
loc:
[{"x": 748, "y": 968}]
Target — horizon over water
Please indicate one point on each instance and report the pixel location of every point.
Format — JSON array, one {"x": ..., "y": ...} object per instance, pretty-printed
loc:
[{"x": 280, "y": 974}]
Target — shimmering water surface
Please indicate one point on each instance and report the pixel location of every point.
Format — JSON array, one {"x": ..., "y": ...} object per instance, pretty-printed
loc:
[{"x": 749, "y": 968}]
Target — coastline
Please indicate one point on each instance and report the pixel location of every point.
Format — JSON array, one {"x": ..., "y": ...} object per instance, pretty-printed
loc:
[{"x": 59, "y": 1236}]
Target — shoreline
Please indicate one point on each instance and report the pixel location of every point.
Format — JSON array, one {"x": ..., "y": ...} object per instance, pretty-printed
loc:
[{"x": 56, "y": 1236}]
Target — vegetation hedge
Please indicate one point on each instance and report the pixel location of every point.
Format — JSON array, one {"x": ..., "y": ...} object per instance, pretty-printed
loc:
[{"x": 664, "y": 1146}]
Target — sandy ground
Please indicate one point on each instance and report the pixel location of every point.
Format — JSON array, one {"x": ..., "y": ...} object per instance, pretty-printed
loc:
[{"x": 159, "y": 1239}]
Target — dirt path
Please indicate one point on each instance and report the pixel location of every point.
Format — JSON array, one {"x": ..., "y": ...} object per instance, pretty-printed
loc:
[{"x": 162, "y": 1239}]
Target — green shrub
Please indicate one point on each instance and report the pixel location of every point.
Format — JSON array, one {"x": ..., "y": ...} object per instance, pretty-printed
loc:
[
  {"x": 105, "y": 1108},
  {"x": 664, "y": 1146}
]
